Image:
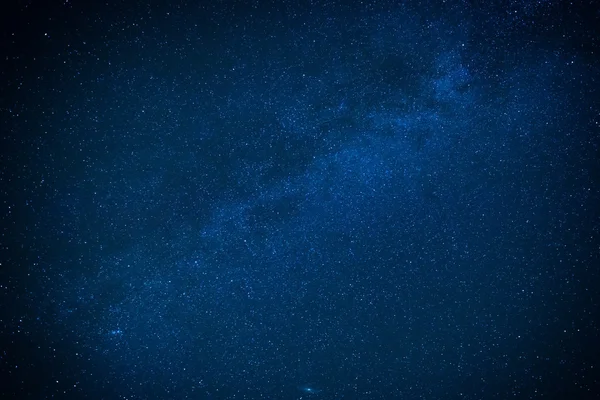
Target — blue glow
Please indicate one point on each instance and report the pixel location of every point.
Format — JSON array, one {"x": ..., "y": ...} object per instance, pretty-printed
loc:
[{"x": 309, "y": 389}]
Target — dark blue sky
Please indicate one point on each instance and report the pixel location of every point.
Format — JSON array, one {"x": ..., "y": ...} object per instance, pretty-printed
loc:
[{"x": 331, "y": 200}]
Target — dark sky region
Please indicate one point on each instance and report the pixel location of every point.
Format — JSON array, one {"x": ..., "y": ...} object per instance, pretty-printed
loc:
[{"x": 299, "y": 200}]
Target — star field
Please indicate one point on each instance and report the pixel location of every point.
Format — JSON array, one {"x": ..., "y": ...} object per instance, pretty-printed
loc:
[{"x": 324, "y": 200}]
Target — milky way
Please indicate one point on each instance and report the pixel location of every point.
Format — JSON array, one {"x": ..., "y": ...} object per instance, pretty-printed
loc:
[{"x": 231, "y": 200}]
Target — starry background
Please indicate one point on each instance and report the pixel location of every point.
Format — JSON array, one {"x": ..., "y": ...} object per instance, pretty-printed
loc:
[{"x": 325, "y": 200}]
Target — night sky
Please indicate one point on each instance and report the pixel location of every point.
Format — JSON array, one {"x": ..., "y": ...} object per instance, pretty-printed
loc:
[{"x": 299, "y": 200}]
